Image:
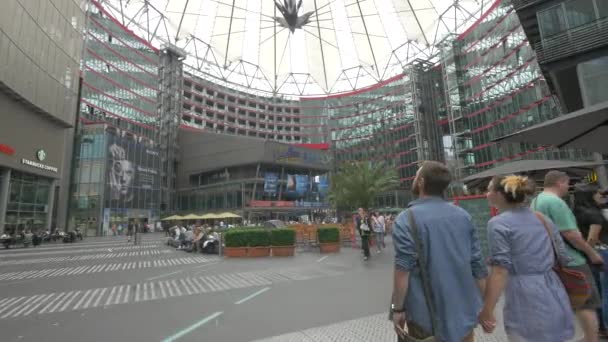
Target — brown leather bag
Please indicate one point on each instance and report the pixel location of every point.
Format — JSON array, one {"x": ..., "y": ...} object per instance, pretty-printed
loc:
[{"x": 577, "y": 285}]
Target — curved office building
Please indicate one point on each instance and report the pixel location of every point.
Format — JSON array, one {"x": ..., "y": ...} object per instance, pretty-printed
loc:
[{"x": 182, "y": 125}]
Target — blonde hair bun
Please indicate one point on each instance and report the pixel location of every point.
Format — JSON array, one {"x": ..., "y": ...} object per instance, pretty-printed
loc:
[{"x": 516, "y": 185}]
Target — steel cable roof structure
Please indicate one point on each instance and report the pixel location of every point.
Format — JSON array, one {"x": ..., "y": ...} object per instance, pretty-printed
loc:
[{"x": 298, "y": 47}]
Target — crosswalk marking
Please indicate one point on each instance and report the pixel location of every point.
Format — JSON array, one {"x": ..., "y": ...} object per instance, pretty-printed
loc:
[
  {"x": 69, "y": 301},
  {"x": 82, "y": 299},
  {"x": 40, "y": 303},
  {"x": 146, "y": 291},
  {"x": 11, "y": 303},
  {"x": 142, "y": 248},
  {"x": 98, "y": 301},
  {"x": 98, "y": 256},
  {"x": 90, "y": 269},
  {"x": 118, "y": 295},
  {"x": 48, "y": 306},
  {"x": 15, "y": 308}
]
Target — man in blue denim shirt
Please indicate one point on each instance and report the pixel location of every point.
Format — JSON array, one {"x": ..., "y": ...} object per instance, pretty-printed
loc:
[{"x": 453, "y": 258}]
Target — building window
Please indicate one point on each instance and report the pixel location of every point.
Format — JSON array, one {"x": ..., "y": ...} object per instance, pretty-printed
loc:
[
  {"x": 593, "y": 76},
  {"x": 579, "y": 12},
  {"x": 569, "y": 15},
  {"x": 602, "y": 7},
  {"x": 552, "y": 21}
]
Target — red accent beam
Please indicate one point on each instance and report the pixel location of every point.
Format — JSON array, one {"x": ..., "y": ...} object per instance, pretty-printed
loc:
[
  {"x": 119, "y": 55},
  {"x": 503, "y": 99},
  {"x": 137, "y": 52},
  {"x": 355, "y": 92},
  {"x": 118, "y": 85},
  {"x": 137, "y": 80},
  {"x": 479, "y": 21},
  {"x": 99, "y": 91},
  {"x": 123, "y": 27},
  {"x": 512, "y": 115},
  {"x": 521, "y": 154},
  {"x": 117, "y": 116}
]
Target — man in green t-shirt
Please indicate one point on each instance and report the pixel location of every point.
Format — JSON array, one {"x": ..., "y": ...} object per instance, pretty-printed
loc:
[{"x": 550, "y": 203}]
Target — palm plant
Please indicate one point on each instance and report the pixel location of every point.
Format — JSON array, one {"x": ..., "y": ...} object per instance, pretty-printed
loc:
[{"x": 355, "y": 185}]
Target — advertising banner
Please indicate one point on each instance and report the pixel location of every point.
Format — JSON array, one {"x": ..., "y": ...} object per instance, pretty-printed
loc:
[
  {"x": 270, "y": 204},
  {"x": 291, "y": 183},
  {"x": 323, "y": 185},
  {"x": 271, "y": 182},
  {"x": 302, "y": 185},
  {"x": 132, "y": 174},
  {"x": 106, "y": 221}
]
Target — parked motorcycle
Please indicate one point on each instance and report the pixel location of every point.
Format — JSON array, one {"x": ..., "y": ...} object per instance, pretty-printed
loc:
[{"x": 11, "y": 240}]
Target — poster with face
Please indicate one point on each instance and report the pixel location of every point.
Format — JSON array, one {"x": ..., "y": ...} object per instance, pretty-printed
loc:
[
  {"x": 133, "y": 174},
  {"x": 271, "y": 182},
  {"x": 302, "y": 185}
]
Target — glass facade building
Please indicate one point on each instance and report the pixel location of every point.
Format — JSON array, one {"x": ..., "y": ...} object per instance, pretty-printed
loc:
[
  {"x": 116, "y": 166},
  {"x": 40, "y": 50},
  {"x": 216, "y": 108},
  {"x": 494, "y": 87}
]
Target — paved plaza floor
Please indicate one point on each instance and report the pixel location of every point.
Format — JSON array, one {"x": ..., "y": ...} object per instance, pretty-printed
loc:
[{"x": 104, "y": 289}]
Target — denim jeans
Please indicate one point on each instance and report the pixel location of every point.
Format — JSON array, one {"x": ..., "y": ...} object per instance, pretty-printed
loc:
[{"x": 380, "y": 240}]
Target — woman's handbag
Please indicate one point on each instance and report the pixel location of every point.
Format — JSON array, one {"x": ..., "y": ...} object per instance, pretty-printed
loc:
[
  {"x": 415, "y": 332},
  {"x": 364, "y": 225},
  {"x": 577, "y": 285}
]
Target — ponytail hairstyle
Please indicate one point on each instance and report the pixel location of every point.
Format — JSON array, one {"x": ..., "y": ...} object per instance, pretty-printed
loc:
[{"x": 514, "y": 188}]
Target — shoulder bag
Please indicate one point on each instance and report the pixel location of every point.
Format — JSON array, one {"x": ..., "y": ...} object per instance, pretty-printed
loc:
[
  {"x": 364, "y": 224},
  {"x": 575, "y": 282},
  {"x": 416, "y": 333}
]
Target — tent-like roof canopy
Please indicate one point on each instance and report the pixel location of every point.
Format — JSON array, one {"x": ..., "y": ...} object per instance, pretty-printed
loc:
[
  {"x": 532, "y": 168},
  {"x": 298, "y": 47}
]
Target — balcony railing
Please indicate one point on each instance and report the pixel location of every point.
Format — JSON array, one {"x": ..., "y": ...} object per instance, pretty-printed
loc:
[
  {"x": 521, "y": 4},
  {"x": 572, "y": 42}
]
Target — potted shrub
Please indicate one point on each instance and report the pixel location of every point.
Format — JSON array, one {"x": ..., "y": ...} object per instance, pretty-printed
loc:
[
  {"x": 329, "y": 239},
  {"x": 283, "y": 242},
  {"x": 236, "y": 244},
  {"x": 258, "y": 243}
]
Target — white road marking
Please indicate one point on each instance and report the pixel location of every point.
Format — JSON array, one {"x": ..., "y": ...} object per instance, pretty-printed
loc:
[
  {"x": 253, "y": 295},
  {"x": 323, "y": 258}
]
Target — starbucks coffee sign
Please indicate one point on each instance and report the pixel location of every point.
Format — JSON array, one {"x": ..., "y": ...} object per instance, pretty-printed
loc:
[{"x": 41, "y": 156}]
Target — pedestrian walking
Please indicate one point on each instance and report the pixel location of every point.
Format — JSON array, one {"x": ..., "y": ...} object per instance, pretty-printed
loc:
[
  {"x": 588, "y": 204},
  {"x": 551, "y": 205},
  {"x": 522, "y": 256},
  {"x": 439, "y": 274},
  {"x": 364, "y": 224},
  {"x": 378, "y": 227},
  {"x": 130, "y": 229}
]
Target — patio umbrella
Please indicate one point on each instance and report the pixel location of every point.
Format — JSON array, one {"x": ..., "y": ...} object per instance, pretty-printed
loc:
[
  {"x": 172, "y": 218},
  {"x": 228, "y": 215},
  {"x": 191, "y": 217},
  {"x": 586, "y": 129},
  {"x": 209, "y": 217}
]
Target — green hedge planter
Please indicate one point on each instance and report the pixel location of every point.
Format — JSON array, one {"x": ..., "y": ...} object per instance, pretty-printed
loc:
[
  {"x": 329, "y": 239},
  {"x": 283, "y": 242}
]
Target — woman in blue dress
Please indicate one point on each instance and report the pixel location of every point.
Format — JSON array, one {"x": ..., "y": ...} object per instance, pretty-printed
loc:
[{"x": 537, "y": 307}]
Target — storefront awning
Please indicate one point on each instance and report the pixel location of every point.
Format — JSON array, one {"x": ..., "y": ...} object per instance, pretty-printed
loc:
[{"x": 586, "y": 129}]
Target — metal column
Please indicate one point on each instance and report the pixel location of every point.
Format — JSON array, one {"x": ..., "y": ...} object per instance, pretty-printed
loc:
[
  {"x": 51, "y": 205},
  {"x": 5, "y": 180}
]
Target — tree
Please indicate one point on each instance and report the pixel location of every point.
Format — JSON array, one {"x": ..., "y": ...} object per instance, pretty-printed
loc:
[{"x": 355, "y": 185}]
